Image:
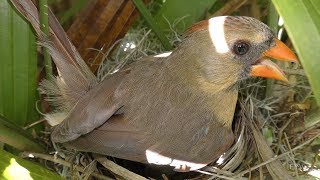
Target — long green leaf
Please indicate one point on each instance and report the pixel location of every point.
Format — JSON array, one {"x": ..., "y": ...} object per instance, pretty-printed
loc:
[
  {"x": 18, "y": 69},
  {"x": 17, "y": 137},
  {"x": 302, "y": 22},
  {"x": 13, "y": 167}
]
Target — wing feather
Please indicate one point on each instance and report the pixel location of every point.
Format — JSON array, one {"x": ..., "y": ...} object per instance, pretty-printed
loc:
[{"x": 91, "y": 111}]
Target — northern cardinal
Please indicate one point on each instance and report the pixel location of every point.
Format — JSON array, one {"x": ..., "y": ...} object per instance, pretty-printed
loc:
[{"x": 176, "y": 110}]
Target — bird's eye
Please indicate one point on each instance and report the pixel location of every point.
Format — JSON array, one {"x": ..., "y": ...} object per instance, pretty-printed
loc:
[{"x": 240, "y": 48}]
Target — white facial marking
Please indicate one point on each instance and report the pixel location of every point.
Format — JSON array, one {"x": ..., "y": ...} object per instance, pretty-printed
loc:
[{"x": 216, "y": 31}]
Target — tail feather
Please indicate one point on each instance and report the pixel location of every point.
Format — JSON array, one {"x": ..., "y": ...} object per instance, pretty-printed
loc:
[{"x": 75, "y": 77}]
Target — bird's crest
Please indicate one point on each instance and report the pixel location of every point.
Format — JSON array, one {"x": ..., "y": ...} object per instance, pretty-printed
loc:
[{"x": 201, "y": 25}]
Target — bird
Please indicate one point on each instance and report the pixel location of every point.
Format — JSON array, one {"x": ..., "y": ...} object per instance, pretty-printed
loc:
[{"x": 175, "y": 109}]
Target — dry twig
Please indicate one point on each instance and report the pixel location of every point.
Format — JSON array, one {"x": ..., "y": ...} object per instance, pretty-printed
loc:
[
  {"x": 118, "y": 170},
  {"x": 278, "y": 157},
  {"x": 62, "y": 162}
]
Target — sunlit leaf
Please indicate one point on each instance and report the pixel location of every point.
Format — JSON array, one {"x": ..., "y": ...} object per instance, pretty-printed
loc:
[{"x": 13, "y": 167}]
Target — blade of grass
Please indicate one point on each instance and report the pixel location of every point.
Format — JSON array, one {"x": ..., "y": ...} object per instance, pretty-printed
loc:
[
  {"x": 152, "y": 23},
  {"x": 302, "y": 22},
  {"x": 17, "y": 137}
]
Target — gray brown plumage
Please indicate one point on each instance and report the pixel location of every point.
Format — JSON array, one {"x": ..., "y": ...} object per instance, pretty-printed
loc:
[{"x": 180, "y": 106}]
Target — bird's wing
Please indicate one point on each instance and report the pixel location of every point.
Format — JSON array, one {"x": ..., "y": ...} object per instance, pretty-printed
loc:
[
  {"x": 117, "y": 138},
  {"x": 91, "y": 111}
]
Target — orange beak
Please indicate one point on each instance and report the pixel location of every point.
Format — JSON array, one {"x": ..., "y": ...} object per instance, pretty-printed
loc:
[{"x": 268, "y": 69}]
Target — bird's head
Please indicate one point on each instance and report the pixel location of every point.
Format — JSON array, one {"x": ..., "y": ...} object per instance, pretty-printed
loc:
[{"x": 227, "y": 49}]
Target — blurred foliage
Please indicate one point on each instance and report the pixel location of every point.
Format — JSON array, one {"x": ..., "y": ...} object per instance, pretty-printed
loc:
[
  {"x": 14, "y": 167},
  {"x": 18, "y": 59},
  {"x": 186, "y": 12},
  {"x": 152, "y": 23},
  {"x": 66, "y": 10},
  {"x": 74, "y": 9}
]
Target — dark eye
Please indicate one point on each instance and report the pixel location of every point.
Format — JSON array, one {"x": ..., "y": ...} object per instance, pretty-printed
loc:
[{"x": 240, "y": 48}]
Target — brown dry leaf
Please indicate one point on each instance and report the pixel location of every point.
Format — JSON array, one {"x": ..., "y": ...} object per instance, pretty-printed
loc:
[{"x": 99, "y": 26}]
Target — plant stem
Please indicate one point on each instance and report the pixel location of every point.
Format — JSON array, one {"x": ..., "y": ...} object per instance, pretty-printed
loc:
[
  {"x": 43, "y": 4},
  {"x": 273, "y": 19}
]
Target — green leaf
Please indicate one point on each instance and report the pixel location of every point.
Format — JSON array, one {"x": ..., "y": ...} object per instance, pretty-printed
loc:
[
  {"x": 152, "y": 23},
  {"x": 17, "y": 137},
  {"x": 302, "y": 22},
  {"x": 190, "y": 10},
  {"x": 13, "y": 167},
  {"x": 18, "y": 70}
]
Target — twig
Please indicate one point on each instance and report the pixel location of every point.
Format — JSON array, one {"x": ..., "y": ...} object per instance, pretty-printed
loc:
[
  {"x": 118, "y": 170},
  {"x": 164, "y": 177},
  {"x": 277, "y": 157},
  {"x": 281, "y": 132},
  {"x": 34, "y": 123},
  {"x": 292, "y": 158},
  {"x": 260, "y": 169},
  {"x": 62, "y": 162},
  {"x": 218, "y": 171},
  {"x": 300, "y": 136},
  {"x": 214, "y": 175}
]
